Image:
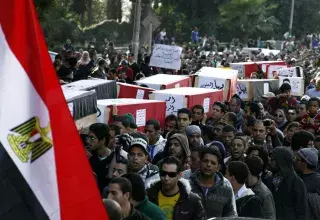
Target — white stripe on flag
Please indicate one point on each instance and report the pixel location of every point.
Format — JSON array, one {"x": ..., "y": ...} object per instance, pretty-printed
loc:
[{"x": 19, "y": 102}]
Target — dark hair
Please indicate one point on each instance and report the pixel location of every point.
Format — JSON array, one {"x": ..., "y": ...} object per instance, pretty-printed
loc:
[
  {"x": 185, "y": 111},
  {"x": 115, "y": 128},
  {"x": 258, "y": 122},
  {"x": 101, "y": 130},
  {"x": 317, "y": 139},
  {"x": 254, "y": 108},
  {"x": 101, "y": 62},
  {"x": 131, "y": 55},
  {"x": 237, "y": 98},
  {"x": 233, "y": 117},
  {"x": 251, "y": 121},
  {"x": 113, "y": 210},
  {"x": 263, "y": 154},
  {"x": 139, "y": 192},
  {"x": 172, "y": 160},
  {"x": 58, "y": 56},
  {"x": 255, "y": 165},
  {"x": 124, "y": 121},
  {"x": 229, "y": 128},
  {"x": 113, "y": 71},
  {"x": 293, "y": 124},
  {"x": 313, "y": 99},
  {"x": 198, "y": 107},
  {"x": 221, "y": 123},
  {"x": 285, "y": 87},
  {"x": 124, "y": 184},
  {"x": 171, "y": 118},
  {"x": 239, "y": 170},
  {"x": 155, "y": 124},
  {"x": 221, "y": 105},
  {"x": 300, "y": 139},
  {"x": 214, "y": 150}
]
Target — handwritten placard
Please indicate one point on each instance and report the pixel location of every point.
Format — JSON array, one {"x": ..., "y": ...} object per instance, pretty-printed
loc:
[
  {"x": 297, "y": 84},
  {"x": 240, "y": 68},
  {"x": 140, "y": 94},
  {"x": 242, "y": 90},
  {"x": 287, "y": 72},
  {"x": 166, "y": 56},
  {"x": 173, "y": 102},
  {"x": 141, "y": 117},
  {"x": 206, "y": 105},
  {"x": 211, "y": 83}
]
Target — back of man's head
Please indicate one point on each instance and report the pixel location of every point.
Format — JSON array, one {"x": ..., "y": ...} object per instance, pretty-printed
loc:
[
  {"x": 138, "y": 192},
  {"x": 113, "y": 209},
  {"x": 239, "y": 170}
]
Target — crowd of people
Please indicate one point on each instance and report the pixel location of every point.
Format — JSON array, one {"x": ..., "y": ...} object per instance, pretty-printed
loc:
[{"x": 249, "y": 159}]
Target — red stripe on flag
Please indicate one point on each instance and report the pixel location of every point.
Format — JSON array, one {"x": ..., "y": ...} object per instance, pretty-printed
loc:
[{"x": 78, "y": 192}]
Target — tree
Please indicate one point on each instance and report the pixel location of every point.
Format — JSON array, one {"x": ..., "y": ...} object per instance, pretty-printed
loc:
[{"x": 247, "y": 18}]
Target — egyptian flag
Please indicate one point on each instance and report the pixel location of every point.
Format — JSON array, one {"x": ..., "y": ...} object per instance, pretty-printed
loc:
[{"x": 44, "y": 171}]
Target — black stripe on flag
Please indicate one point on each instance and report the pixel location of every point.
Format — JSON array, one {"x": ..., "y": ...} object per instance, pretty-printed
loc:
[{"x": 17, "y": 201}]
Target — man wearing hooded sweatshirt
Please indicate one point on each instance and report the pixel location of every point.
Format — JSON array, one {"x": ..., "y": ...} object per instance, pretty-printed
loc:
[
  {"x": 306, "y": 164},
  {"x": 289, "y": 192},
  {"x": 215, "y": 191},
  {"x": 177, "y": 146}
]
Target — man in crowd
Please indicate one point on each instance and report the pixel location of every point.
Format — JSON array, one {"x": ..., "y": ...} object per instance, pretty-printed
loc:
[
  {"x": 248, "y": 204},
  {"x": 235, "y": 107},
  {"x": 230, "y": 118},
  {"x": 133, "y": 65},
  {"x": 140, "y": 200},
  {"x": 255, "y": 165},
  {"x": 138, "y": 160},
  {"x": 252, "y": 109},
  {"x": 113, "y": 209},
  {"x": 306, "y": 164},
  {"x": 120, "y": 190},
  {"x": 265, "y": 135},
  {"x": 237, "y": 150},
  {"x": 194, "y": 136},
  {"x": 215, "y": 191},
  {"x": 283, "y": 100},
  {"x": 195, "y": 162},
  {"x": 289, "y": 192},
  {"x": 197, "y": 115},
  {"x": 218, "y": 110},
  {"x": 228, "y": 133},
  {"x": 97, "y": 142},
  {"x": 173, "y": 195},
  {"x": 120, "y": 168},
  {"x": 292, "y": 114},
  {"x": 184, "y": 119},
  {"x": 171, "y": 123},
  {"x": 156, "y": 141}
]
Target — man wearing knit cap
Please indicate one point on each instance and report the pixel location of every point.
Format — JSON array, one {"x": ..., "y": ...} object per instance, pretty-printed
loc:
[
  {"x": 194, "y": 135},
  {"x": 138, "y": 159},
  {"x": 306, "y": 164}
]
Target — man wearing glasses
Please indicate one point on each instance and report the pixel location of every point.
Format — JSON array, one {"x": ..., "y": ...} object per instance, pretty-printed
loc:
[{"x": 173, "y": 195}]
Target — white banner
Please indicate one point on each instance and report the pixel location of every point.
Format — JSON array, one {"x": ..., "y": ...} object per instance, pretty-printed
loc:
[
  {"x": 273, "y": 68},
  {"x": 289, "y": 72},
  {"x": 240, "y": 68},
  {"x": 166, "y": 56},
  {"x": 211, "y": 83},
  {"x": 173, "y": 102}
]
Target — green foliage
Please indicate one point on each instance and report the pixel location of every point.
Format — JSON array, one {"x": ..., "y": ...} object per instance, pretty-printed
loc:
[{"x": 247, "y": 18}]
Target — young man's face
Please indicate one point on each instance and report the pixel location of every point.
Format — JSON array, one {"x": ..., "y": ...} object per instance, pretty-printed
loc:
[
  {"x": 137, "y": 158},
  {"x": 116, "y": 194},
  {"x": 237, "y": 149},
  {"x": 169, "y": 176},
  {"x": 151, "y": 132},
  {"x": 301, "y": 109},
  {"x": 259, "y": 132},
  {"x": 197, "y": 114},
  {"x": 313, "y": 107},
  {"x": 175, "y": 148},
  {"x": 209, "y": 165},
  {"x": 93, "y": 142},
  {"x": 217, "y": 112},
  {"x": 183, "y": 121},
  {"x": 119, "y": 169},
  {"x": 170, "y": 126}
]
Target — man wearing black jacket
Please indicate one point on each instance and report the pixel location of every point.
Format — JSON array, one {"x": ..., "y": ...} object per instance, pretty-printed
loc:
[
  {"x": 133, "y": 65},
  {"x": 289, "y": 192},
  {"x": 173, "y": 194}
]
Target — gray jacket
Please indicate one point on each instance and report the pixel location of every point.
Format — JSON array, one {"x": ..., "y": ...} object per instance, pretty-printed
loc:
[
  {"x": 266, "y": 198},
  {"x": 219, "y": 200}
]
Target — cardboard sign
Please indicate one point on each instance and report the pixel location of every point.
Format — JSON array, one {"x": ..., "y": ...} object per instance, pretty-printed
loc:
[
  {"x": 290, "y": 72},
  {"x": 141, "y": 117},
  {"x": 272, "y": 68},
  {"x": 206, "y": 105},
  {"x": 240, "y": 68},
  {"x": 173, "y": 102},
  {"x": 211, "y": 83},
  {"x": 140, "y": 94},
  {"x": 166, "y": 56}
]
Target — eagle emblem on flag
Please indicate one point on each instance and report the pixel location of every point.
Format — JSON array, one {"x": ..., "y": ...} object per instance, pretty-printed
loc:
[{"x": 29, "y": 140}]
